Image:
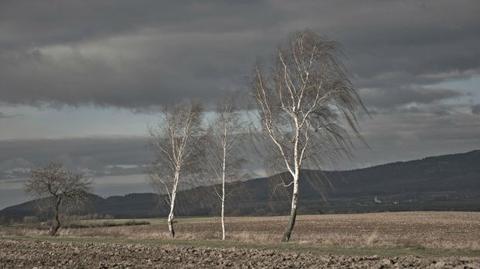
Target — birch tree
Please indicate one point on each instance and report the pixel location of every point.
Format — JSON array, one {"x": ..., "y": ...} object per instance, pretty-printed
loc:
[
  {"x": 306, "y": 105},
  {"x": 222, "y": 158},
  {"x": 174, "y": 144},
  {"x": 59, "y": 188}
]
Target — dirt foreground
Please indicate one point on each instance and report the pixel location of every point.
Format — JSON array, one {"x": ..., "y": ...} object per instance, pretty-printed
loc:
[{"x": 42, "y": 254}]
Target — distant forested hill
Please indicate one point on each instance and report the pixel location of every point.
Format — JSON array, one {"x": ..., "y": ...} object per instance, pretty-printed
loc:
[{"x": 449, "y": 182}]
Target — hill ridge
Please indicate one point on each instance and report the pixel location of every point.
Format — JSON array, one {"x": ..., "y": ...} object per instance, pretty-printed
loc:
[{"x": 445, "y": 182}]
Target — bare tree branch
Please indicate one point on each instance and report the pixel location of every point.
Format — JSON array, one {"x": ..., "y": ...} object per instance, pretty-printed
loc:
[
  {"x": 60, "y": 188},
  {"x": 175, "y": 145},
  {"x": 222, "y": 138},
  {"x": 303, "y": 105}
]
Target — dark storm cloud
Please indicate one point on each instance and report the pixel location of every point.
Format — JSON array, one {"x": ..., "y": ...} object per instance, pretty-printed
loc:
[
  {"x": 93, "y": 153},
  {"x": 144, "y": 53},
  {"x": 476, "y": 109}
]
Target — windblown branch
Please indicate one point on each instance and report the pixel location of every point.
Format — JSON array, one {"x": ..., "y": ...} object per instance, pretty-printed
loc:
[{"x": 304, "y": 102}]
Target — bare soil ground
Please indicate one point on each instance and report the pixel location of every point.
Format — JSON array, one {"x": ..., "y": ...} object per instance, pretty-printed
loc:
[
  {"x": 41, "y": 254},
  {"x": 379, "y": 240},
  {"x": 445, "y": 230}
]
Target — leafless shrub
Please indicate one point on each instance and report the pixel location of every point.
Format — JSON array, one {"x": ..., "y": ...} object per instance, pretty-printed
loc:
[{"x": 59, "y": 190}]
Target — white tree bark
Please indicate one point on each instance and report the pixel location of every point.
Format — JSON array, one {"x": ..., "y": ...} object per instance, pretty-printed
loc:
[
  {"x": 171, "y": 215},
  {"x": 293, "y": 210},
  {"x": 224, "y": 168},
  {"x": 297, "y": 159}
]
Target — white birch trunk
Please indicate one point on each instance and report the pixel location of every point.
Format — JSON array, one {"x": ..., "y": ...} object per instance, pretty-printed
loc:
[
  {"x": 293, "y": 210},
  {"x": 296, "y": 175},
  {"x": 223, "y": 212},
  {"x": 171, "y": 215},
  {"x": 224, "y": 164}
]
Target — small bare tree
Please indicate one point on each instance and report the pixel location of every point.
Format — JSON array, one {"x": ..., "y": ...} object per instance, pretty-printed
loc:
[
  {"x": 222, "y": 159},
  {"x": 59, "y": 188},
  {"x": 175, "y": 147},
  {"x": 304, "y": 104}
]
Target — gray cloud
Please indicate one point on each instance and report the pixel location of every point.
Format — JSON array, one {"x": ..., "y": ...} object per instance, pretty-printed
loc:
[
  {"x": 6, "y": 115},
  {"x": 476, "y": 109},
  {"x": 391, "y": 137},
  {"x": 144, "y": 53},
  {"x": 386, "y": 98},
  {"x": 93, "y": 153},
  {"x": 136, "y": 54}
]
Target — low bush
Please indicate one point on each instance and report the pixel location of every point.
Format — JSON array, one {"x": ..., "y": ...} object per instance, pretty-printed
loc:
[{"x": 105, "y": 224}]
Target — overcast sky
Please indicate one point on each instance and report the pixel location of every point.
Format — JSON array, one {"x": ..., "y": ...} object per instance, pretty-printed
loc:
[{"x": 79, "y": 69}]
